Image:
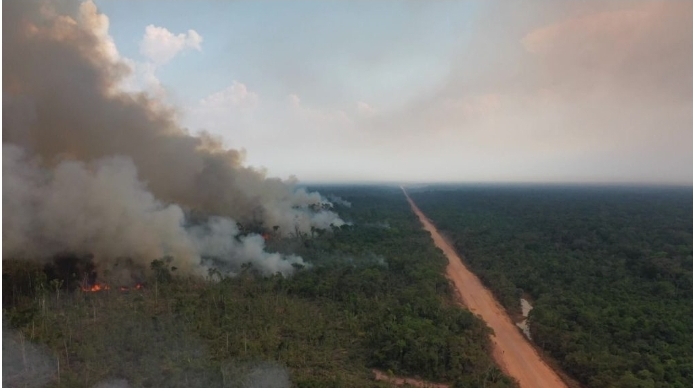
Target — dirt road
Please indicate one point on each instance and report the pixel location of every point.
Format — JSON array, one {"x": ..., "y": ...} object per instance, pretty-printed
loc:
[{"x": 512, "y": 352}]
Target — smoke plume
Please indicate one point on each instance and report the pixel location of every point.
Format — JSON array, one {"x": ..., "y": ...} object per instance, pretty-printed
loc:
[
  {"x": 24, "y": 364},
  {"x": 91, "y": 169}
]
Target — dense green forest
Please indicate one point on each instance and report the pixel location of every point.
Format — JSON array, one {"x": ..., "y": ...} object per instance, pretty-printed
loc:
[
  {"x": 374, "y": 296},
  {"x": 610, "y": 272}
]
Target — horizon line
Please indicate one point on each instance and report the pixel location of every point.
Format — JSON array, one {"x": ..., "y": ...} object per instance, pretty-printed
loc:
[{"x": 492, "y": 183}]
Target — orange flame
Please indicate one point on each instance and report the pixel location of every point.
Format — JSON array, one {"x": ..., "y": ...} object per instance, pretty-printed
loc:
[
  {"x": 95, "y": 287},
  {"x": 102, "y": 286},
  {"x": 137, "y": 286}
]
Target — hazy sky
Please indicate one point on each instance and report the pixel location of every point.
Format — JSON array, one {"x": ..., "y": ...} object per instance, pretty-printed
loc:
[{"x": 426, "y": 91}]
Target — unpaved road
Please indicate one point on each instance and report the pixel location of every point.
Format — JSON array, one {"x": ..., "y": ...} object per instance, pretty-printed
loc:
[{"x": 512, "y": 352}]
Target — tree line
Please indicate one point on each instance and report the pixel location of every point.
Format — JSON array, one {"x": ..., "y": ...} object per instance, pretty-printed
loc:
[
  {"x": 610, "y": 272},
  {"x": 373, "y": 296}
]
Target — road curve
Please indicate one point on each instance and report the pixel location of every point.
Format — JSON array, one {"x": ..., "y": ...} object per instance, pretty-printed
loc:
[{"x": 512, "y": 352}]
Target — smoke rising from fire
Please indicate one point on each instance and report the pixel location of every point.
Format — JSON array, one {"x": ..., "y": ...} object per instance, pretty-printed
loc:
[
  {"x": 102, "y": 209},
  {"x": 24, "y": 364},
  {"x": 91, "y": 169}
]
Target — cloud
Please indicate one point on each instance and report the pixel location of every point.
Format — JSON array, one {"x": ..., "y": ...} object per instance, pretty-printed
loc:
[
  {"x": 159, "y": 45},
  {"x": 536, "y": 90},
  {"x": 228, "y": 113},
  {"x": 236, "y": 96},
  {"x": 583, "y": 92},
  {"x": 639, "y": 51}
]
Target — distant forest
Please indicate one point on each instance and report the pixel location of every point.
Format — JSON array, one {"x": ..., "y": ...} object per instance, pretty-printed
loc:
[
  {"x": 609, "y": 272},
  {"x": 374, "y": 296}
]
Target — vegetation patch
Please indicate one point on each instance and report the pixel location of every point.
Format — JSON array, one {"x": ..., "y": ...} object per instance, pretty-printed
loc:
[
  {"x": 610, "y": 271},
  {"x": 372, "y": 297}
]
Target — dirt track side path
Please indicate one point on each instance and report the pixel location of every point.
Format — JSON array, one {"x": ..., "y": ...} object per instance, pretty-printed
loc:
[{"x": 512, "y": 352}]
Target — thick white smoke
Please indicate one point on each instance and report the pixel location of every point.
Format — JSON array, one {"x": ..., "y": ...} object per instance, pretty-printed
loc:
[
  {"x": 215, "y": 239},
  {"x": 339, "y": 201},
  {"x": 90, "y": 169},
  {"x": 102, "y": 209}
]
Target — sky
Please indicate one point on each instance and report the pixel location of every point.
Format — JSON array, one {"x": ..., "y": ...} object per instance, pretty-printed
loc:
[{"x": 439, "y": 91}]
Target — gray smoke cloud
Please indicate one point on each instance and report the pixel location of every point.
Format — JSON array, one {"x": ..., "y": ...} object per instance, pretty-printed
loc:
[
  {"x": 235, "y": 375},
  {"x": 91, "y": 169},
  {"x": 25, "y": 364},
  {"x": 102, "y": 209},
  {"x": 29, "y": 365},
  {"x": 339, "y": 201}
]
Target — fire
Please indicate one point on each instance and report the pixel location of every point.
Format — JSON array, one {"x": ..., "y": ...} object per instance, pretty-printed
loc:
[
  {"x": 95, "y": 287},
  {"x": 137, "y": 286},
  {"x": 265, "y": 236},
  {"x": 102, "y": 287}
]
